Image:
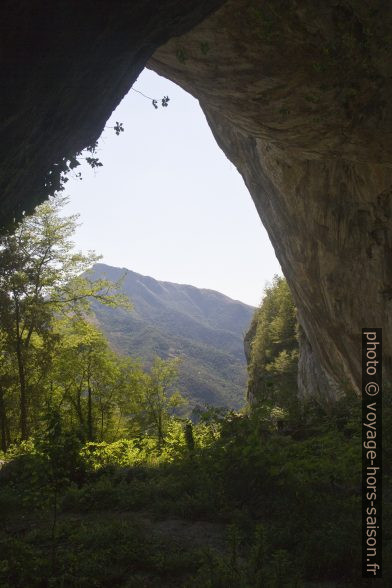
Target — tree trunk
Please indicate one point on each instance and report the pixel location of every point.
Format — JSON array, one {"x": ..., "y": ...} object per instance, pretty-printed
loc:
[
  {"x": 89, "y": 414},
  {"x": 79, "y": 411},
  {"x": 22, "y": 378},
  {"x": 22, "y": 391},
  {"x": 160, "y": 431},
  {"x": 3, "y": 423},
  {"x": 102, "y": 420}
]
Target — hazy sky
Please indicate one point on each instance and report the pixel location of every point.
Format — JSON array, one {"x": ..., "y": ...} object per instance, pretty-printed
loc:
[{"x": 168, "y": 203}]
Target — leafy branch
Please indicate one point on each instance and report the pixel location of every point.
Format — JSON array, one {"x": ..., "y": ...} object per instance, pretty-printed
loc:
[{"x": 164, "y": 101}]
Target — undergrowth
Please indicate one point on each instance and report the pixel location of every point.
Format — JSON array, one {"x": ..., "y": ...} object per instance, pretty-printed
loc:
[{"x": 287, "y": 504}]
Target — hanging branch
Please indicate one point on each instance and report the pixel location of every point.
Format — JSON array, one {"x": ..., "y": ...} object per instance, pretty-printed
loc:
[{"x": 154, "y": 101}]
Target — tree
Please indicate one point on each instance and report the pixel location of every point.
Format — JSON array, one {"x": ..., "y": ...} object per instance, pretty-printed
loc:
[
  {"x": 160, "y": 396},
  {"x": 273, "y": 361},
  {"x": 8, "y": 378},
  {"x": 42, "y": 277},
  {"x": 98, "y": 390}
]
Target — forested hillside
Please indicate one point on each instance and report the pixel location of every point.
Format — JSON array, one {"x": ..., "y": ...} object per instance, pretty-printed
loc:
[{"x": 203, "y": 328}]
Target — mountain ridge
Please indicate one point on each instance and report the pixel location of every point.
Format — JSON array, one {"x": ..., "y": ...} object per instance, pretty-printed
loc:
[{"x": 202, "y": 326}]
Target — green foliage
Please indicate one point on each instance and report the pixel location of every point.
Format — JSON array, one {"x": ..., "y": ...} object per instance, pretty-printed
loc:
[
  {"x": 205, "y": 328},
  {"x": 40, "y": 279},
  {"x": 106, "y": 441},
  {"x": 160, "y": 397},
  {"x": 130, "y": 452},
  {"x": 58, "y": 175},
  {"x": 182, "y": 55},
  {"x": 164, "y": 103},
  {"x": 273, "y": 345},
  {"x": 288, "y": 504},
  {"x": 204, "y": 47},
  {"x": 189, "y": 439},
  {"x": 60, "y": 449},
  {"x": 54, "y": 359},
  {"x": 96, "y": 387}
]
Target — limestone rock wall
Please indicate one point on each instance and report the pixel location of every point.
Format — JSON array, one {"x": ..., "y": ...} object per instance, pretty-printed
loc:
[{"x": 297, "y": 96}]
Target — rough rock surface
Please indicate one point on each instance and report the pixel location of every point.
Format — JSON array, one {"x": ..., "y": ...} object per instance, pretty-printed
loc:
[
  {"x": 298, "y": 98},
  {"x": 297, "y": 95},
  {"x": 65, "y": 65}
]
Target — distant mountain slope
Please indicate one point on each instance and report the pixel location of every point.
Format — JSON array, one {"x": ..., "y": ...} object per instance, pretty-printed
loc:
[{"x": 203, "y": 327}]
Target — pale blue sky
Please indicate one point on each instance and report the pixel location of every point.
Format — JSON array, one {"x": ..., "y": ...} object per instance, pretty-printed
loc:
[{"x": 168, "y": 203}]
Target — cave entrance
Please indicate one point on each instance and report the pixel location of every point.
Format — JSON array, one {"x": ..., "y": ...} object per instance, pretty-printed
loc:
[{"x": 167, "y": 202}]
